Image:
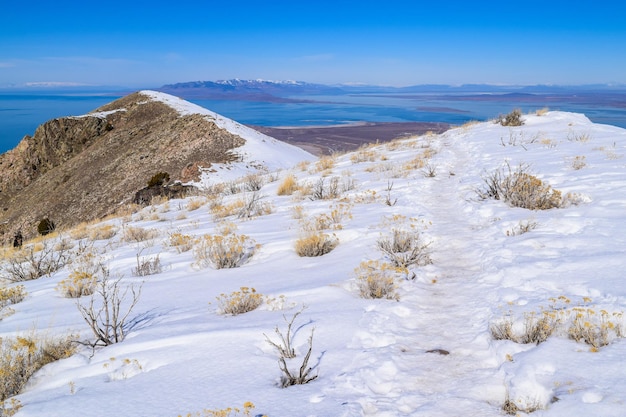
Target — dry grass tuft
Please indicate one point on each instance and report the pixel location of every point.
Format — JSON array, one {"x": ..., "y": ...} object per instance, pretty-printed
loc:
[{"x": 288, "y": 186}]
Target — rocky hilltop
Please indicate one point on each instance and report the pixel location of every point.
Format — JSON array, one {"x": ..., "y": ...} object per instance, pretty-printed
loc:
[{"x": 76, "y": 169}]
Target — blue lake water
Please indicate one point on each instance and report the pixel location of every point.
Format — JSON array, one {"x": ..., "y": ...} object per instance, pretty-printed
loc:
[{"x": 20, "y": 114}]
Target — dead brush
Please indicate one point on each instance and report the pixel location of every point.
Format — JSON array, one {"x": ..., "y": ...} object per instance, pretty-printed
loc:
[
  {"x": 315, "y": 244},
  {"x": 405, "y": 248},
  {"x": 22, "y": 356},
  {"x": 520, "y": 189},
  {"x": 286, "y": 354},
  {"x": 239, "y": 302},
  {"x": 377, "y": 279},
  {"x": 224, "y": 251}
]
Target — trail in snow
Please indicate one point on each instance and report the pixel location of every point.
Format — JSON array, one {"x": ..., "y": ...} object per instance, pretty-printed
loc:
[{"x": 402, "y": 368}]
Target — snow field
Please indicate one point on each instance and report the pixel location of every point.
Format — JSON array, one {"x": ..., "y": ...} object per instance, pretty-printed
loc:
[{"x": 429, "y": 354}]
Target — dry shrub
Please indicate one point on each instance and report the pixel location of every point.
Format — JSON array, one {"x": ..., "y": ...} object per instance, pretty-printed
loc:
[
  {"x": 102, "y": 232},
  {"x": 221, "y": 211},
  {"x": 195, "y": 204},
  {"x": 84, "y": 276},
  {"x": 512, "y": 119},
  {"x": 315, "y": 244},
  {"x": 578, "y": 162},
  {"x": 139, "y": 234},
  {"x": 239, "y": 302},
  {"x": 224, "y": 251},
  {"x": 596, "y": 328},
  {"x": 35, "y": 261},
  {"x": 288, "y": 186},
  {"x": 405, "y": 248},
  {"x": 542, "y": 112},
  {"x": 323, "y": 190},
  {"x": 181, "y": 242},
  {"x": 364, "y": 154},
  {"x": 523, "y": 226},
  {"x": 12, "y": 295},
  {"x": 254, "y": 207},
  {"x": 253, "y": 182},
  {"x": 287, "y": 354},
  {"x": 377, "y": 279},
  {"x": 147, "y": 266},
  {"x": 520, "y": 189},
  {"x": 22, "y": 356},
  {"x": 327, "y": 221},
  {"x": 325, "y": 163}
]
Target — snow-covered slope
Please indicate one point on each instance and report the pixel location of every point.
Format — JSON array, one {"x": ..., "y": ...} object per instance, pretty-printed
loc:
[
  {"x": 430, "y": 352},
  {"x": 259, "y": 153}
]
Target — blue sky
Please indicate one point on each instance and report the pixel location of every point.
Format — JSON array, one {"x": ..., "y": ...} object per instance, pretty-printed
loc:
[{"x": 387, "y": 42}]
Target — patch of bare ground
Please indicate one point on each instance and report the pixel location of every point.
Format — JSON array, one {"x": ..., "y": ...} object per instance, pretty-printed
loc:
[{"x": 325, "y": 140}]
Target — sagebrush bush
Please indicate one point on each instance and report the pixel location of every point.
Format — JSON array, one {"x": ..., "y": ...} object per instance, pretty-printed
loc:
[
  {"x": 514, "y": 118},
  {"x": 315, "y": 244},
  {"x": 102, "y": 232},
  {"x": 22, "y": 356},
  {"x": 582, "y": 324},
  {"x": 181, "y": 242},
  {"x": 239, "y": 302},
  {"x": 12, "y": 295},
  {"x": 139, "y": 234},
  {"x": 377, "y": 279},
  {"x": 520, "y": 189},
  {"x": 224, "y": 251},
  {"x": 325, "y": 163},
  {"x": 84, "y": 276}
]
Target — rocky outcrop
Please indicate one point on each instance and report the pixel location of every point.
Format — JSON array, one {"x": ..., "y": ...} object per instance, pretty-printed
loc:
[{"x": 82, "y": 168}]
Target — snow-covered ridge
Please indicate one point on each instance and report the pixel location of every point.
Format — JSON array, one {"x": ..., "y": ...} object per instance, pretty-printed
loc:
[{"x": 259, "y": 150}]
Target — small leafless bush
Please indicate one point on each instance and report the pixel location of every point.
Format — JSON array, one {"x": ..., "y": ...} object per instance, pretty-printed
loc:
[
  {"x": 405, "y": 248},
  {"x": 253, "y": 206},
  {"x": 253, "y": 182},
  {"x": 107, "y": 312},
  {"x": 286, "y": 354},
  {"x": 34, "y": 261},
  {"x": 147, "y": 266},
  {"x": 524, "y": 226},
  {"x": 323, "y": 190}
]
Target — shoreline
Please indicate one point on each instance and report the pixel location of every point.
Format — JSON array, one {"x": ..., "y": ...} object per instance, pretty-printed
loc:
[{"x": 326, "y": 140}]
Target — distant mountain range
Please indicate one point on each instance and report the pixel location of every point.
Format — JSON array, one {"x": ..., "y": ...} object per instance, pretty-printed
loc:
[{"x": 286, "y": 91}]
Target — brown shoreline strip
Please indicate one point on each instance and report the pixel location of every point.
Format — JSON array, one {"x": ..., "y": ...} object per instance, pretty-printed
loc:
[{"x": 323, "y": 140}]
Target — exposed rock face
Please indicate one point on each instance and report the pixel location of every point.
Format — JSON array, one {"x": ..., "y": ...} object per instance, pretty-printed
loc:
[{"x": 81, "y": 168}]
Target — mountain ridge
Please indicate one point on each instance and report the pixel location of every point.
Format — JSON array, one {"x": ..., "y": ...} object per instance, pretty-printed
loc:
[{"x": 82, "y": 168}]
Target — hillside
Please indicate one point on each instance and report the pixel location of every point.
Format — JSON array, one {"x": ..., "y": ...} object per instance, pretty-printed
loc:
[
  {"x": 502, "y": 308},
  {"x": 82, "y": 168}
]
